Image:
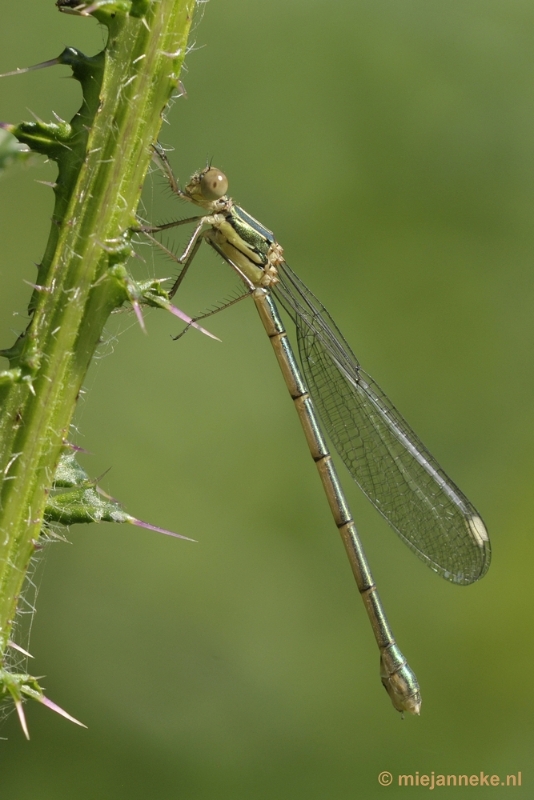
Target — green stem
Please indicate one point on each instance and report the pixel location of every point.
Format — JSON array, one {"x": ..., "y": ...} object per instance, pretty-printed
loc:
[{"x": 103, "y": 156}]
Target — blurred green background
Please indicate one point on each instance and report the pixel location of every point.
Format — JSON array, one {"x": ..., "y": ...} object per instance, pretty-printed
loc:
[{"x": 389, "y": 144}]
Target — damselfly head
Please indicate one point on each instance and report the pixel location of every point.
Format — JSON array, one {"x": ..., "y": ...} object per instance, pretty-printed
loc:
[
  {"x": 208, "y": 189},
  {"x": 213, "y": 184}
]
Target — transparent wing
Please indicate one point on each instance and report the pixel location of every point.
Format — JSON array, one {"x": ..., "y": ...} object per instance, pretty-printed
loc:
[{"x": 384, "y": 456}]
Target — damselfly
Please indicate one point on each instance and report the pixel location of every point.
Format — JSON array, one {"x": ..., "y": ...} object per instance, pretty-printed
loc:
[{"x": 383, "y": 455}]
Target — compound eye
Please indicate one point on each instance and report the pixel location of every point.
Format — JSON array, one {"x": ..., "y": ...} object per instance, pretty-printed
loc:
[{"x": 213, "y": 184}]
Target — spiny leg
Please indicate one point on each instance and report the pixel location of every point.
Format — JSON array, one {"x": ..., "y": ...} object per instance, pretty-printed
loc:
[
  {"x": 160, "y": 157},
  {"x": 187, "y": 256},
  {"x": 214, "y": 311},
  {"x": 166, "y": 225}
]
